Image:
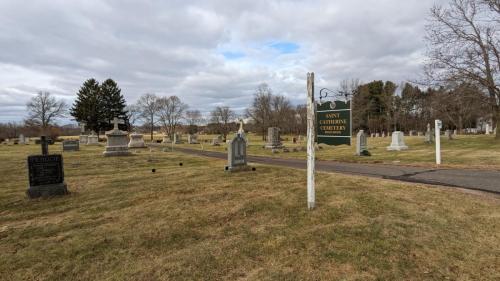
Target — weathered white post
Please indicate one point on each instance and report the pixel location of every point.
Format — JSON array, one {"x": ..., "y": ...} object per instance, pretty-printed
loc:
[
  {"x": 437, "y": 130},
  {"x": 310, "y": 141}
]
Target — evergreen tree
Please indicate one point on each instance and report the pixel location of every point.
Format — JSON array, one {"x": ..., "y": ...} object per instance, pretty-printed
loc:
[
  {"x": 113, "y": 104},
  {"x": 88, "y": 106}
]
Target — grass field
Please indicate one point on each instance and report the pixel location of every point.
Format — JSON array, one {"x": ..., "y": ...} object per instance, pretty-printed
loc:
[
  {"x": 195, "y": 222},
  {"x": 472, "y": 151}
]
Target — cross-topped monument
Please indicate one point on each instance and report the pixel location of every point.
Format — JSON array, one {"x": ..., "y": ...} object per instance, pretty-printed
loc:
[
  {"x": 45, "y": 145},
  {"x": 82, "y": 128},
  {"x": 117, "y": 121}
]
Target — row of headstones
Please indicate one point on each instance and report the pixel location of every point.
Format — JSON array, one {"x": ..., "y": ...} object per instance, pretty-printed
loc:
[
  {"x": 397, "y": 142},
  {"x": 20, "y": 140}
]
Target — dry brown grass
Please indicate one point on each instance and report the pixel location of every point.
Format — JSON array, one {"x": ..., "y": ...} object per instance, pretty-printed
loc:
[{"x": 195, "y": 222}]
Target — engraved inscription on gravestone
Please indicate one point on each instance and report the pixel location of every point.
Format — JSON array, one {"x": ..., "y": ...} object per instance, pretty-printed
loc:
[
  {"x": 45, "y": 169},
  {"x": 237, "y": 153},
  {"x": 46, "y": 176}
]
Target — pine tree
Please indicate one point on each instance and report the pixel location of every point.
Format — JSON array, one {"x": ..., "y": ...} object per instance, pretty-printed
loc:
[
  {"x": 88, "y": 107},
  {"x": 113, "y": 104}
]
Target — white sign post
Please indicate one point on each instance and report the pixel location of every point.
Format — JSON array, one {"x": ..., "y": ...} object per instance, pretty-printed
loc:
[
  {"x": 310, "y": 141},
  {"x": 437, "y": 129}
]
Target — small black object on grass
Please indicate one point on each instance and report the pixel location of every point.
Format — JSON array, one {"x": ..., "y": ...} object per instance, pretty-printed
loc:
[
  {"x": 253, "y": 168},
  {"x": 153, "y": 170},
  {"x": 180, "y": 164}
]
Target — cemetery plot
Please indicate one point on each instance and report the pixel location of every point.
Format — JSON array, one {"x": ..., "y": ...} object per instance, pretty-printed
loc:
[
  {"x": 198, "y": 222},
  {"x": 463, "y": 151}
]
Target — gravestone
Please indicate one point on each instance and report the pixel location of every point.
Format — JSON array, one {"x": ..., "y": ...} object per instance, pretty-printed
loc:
[
  {"x": 236, "y": 154},
  {"x": 273, "y": 138},
  {"x": 448, "y": 134},
  {"x": 411, "y": 133},
  {"x": 166, "y": 139},
  {"x": 136, "y": 141},
  {"x": 398, "y": 142},
  {"x": 383, "y": 134},
  {"x": 71, "y": 145},
  {"x": 92, "y": 139},
  {"x": 192, "y": 139},
  {"x": 455, "y": 132},
  {"x": 377, "y": 135},
  {"x": 46, "y": 174},
  {"x": 26, "y": 140},
  {"x": 216, "y": 141},
  {"x": 117, "y": 141},
  {"x": 487, "y": 129},
  {"x": 372, "y": 135},
  {"x": 361, "y": 144},
  {"x": 83, "y": 137},
  {"x": 177, "y": 138},
  {"x": 420, "y": 134},
  {"x": 22, "y": 140},
  {"x": 429, "y": 135}
]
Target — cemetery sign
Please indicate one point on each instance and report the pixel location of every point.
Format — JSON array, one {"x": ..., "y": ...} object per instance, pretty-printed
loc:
[{"x": 333, "y": 122}]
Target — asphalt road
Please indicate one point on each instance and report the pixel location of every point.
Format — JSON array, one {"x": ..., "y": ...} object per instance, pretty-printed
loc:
[{"x": 484, "y": 180}]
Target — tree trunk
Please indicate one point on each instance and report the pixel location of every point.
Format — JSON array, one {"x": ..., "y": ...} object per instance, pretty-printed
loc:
[
  {"x": 460, "y": 124},
  {"x": 496, "y": 118}
]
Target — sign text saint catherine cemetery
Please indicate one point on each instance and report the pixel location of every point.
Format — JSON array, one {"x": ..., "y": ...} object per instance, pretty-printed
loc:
[{"x": 333, "y": 122}]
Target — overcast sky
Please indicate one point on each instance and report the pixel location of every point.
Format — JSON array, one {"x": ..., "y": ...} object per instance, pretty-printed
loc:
[{"x": 208, "y": 53}]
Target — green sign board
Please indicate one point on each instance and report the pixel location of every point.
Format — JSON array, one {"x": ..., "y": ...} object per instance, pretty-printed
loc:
[{"x": 333, "y": 123}]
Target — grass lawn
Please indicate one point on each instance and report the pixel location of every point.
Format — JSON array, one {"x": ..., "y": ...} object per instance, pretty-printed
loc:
[
  {"x": 478, "y": 151},
  {"x": 195, "y": 222}
]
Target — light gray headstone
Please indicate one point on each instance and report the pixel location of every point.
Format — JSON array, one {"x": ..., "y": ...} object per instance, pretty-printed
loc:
[
  {"x": 273, "y": 138},
  {"x": 117, "y": 141},
  {"x": 361, "y": 143},
  {"x": 398, "y": 142},
  {"x": 136, "y": 141},
  {"x": 192, "y": 139}
]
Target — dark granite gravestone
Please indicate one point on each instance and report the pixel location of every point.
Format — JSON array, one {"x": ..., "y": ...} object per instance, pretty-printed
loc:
[
  {"x": 71, "y": 145},
  {"x": 46, "y": 174}
]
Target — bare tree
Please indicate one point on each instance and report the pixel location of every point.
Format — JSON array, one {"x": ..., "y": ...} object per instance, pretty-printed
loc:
[
  {"x": 222, "y": 116},
  {"x": 282, "y": 112},
  {"x": 260, "y": 110},
  {"x": 464, "y": 46},
  {"x": 193, "y": 119},
  {"x": 44, "y": 109},
  {"x": 171, "y": 113},
  {"x": 148, "y": 106},
  {"x": 133, "y": 115}
]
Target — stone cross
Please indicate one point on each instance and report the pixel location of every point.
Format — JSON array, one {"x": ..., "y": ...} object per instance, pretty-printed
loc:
[
  {"x": 117, "y": 121},
  {"x": 45, "y": 145},
  {"x": 82, "y": 128}
]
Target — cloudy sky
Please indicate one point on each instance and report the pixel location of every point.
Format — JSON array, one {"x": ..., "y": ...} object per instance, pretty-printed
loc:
[{"x": 208, "y": 53}]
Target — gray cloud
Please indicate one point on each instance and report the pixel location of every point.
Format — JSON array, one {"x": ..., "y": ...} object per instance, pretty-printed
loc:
[{"x": 176, "y": 47}]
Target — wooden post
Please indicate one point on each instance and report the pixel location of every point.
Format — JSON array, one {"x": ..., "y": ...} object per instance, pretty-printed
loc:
[
  {"x": 437, "y": 132},
  {"x": 310, "y": 141}
]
